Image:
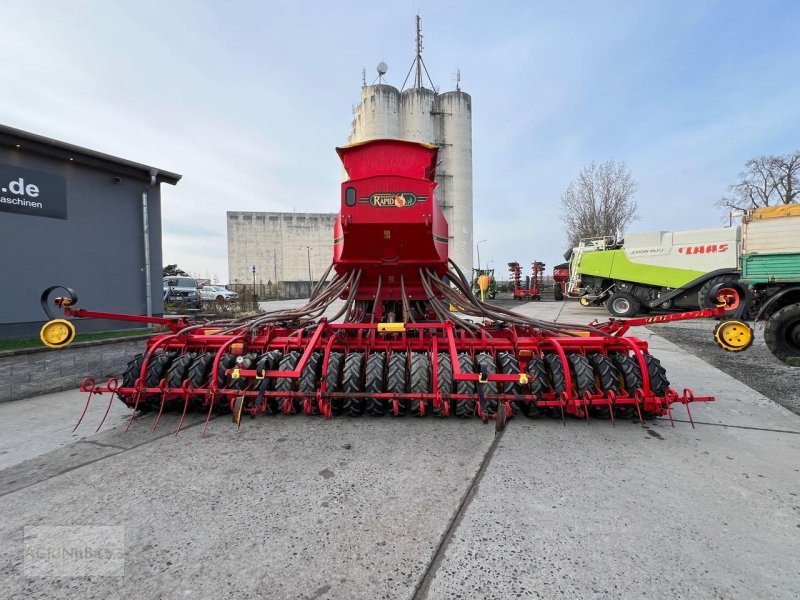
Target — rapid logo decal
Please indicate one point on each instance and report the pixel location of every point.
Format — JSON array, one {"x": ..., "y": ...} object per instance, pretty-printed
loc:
[{"x": 399, "y": 200}]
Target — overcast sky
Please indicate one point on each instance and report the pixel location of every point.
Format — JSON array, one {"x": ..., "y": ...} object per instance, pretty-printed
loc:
[{"x": 248, "y": 100}]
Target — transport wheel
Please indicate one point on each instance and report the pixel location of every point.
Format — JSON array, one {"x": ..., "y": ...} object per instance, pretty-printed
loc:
[
  {"x": 333, "y": 379},
  {"x": 269, "y": 362},
  {"x": 286, "y": 384},
  {"x": 733, "y": 336},
  {"x": 558, "y": 293},
  {"x": 558, "y": 383},
  {"x": 396, "y": 379},
  {"x": 537, "y": 384},
  {"x": 351, "y": 383},
  {"x": 130, "y": 375},
  {"x": 623, "y": 304},
  {"x": 509, "y": 365},
  {"x": 484, "y": 359},
  {"x": 782, "y": 334},
  {"x": 419, "y": 381},
  {"x": 465, "y": 408},
  {"x": 445, "y": 383},
  {"x": 584, "y": 301},
  {"x": 373, "y": 383},
  {"x": 309, "y": 380},
  {"x": 704, "y": 299},
  {"x": 607, "y": 378}
]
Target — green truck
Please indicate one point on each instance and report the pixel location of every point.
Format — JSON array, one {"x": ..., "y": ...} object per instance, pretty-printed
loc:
[{"x": 770, "y": 269}]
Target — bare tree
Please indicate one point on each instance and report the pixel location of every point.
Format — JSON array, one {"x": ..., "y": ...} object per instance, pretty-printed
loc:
[
  {"x": 599, "y": 202},
  {"x": 766, "y": 181}
]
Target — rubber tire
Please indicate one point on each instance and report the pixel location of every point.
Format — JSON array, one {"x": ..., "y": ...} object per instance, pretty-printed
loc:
[
  {"x": 608, "y": 378},
  {"x": 130, "y": 375},
  {"x": 485, "y": 359},
  {"x": 270, "y": 362},
  {"x": 445, "y": 382},
  {"x": 176, "y": 374},
  {"x": 286, "y": 384},
  {"x": 634, "y": 305},
  {"x": 537, "y": 386},
  {"x": 465, "y": 408},
  {"x": 310, "y": 378},
  {"x": 782, "y": 333},
  {"x": 396, "y": 378},
  {"x": 558, "y": 382},
  {"x": 509, "y": 365},
  {"x": 704, "y": 292},
  {"x": 582, "y": 374},
  {"x": 351, "y": 383},
  {"x": 558, "y": 293},
  {"x": 156, "y": 367},
  {"x": 373, "y": 383},
  {"x": 333, "y": 379},
  {"x": 419, "y": 381},
  {"x": 631, "y": 376}
]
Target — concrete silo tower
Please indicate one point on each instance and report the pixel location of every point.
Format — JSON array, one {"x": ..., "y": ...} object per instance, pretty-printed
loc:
[{"x": 422, "y": 114}]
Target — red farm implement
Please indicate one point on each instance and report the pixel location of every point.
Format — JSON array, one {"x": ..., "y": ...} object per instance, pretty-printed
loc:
[
  {"x": 391, "y": 345},
  {"x": 531, "y": 289}
]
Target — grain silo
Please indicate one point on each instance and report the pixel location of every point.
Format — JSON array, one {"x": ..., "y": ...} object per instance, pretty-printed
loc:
[{"x": 422, "y": 114}]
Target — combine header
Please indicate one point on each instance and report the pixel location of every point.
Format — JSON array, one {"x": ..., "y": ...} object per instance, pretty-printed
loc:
[{"x": 390, "y": 344}]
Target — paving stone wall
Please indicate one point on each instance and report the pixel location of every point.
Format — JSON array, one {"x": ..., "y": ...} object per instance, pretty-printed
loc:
[{"x": 27, "y": 373}]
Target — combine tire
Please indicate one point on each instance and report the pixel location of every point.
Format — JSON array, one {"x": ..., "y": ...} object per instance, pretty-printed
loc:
[
  {"x": 286, "y": 384},
  {"x": 704, "y": 299},
  {"x": 396, "y": 379},
  {"x": 309, "y": 380},
  {"x": 509, "y": 365},
  {"x": 373, "y": 383},
  {"x": 419, "y": 381},
  {"x": 623, "y": 304},
  {"x": 465, "y": 408},
  {"x": 333, "y": 379},
  {"x": 782, "y": 333},
  {"x": 445, "y": 382},
  {"x": 607, "y": 377},
  {"x": 351, "y": 383},
  {"x": 537, "y": 384},
  {"x": 485, "y": 360}
]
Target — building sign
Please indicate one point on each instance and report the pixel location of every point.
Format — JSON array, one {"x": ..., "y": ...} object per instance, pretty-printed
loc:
[{"x": 34, "y": 193}]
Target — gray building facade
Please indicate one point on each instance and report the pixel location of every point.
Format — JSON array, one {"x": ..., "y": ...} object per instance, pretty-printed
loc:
[{"x": 75, "y": 217}]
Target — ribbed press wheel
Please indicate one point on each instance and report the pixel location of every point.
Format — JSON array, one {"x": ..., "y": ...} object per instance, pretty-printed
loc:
[
  {"x": 582, "y": 375},
  {"x": 486, "y": 360},
  {"x": 269, "y": 362},
  {"x": 130, "y": 375},
  {"x": 465, "y": 408},
  {"x": 198, "y": 375},
  {"x": 538, "y": 384},
  {"x": 333, "y": 379},
  {"x": 351, "y": 383},
  {"x": 286, "y": 384},
  {"x": 445, "y": 379},
  {"x": 509, "y": 365},
  {"x": 373, "y": 384},
  {"x": 419, "y": 381},
  {"x": 396, "y": 379},
  {"x": 309, "y": 380},
  {"x": 558, "y": 382},
  {"x": 607, "y": 377}
]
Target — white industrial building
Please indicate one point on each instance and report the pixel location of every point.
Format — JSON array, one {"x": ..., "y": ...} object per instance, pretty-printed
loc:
[
  {"x": 421, "y": 114},
  {"x": 290, "y": 248}
]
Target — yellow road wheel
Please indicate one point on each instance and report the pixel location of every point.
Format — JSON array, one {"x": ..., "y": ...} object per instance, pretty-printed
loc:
[
  {"x": 733, "y": 335},
  {"x": 584, "y": 301},
  {"x": 57, "y": 333}
]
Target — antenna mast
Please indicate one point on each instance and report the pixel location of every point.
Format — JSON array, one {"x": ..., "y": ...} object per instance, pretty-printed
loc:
[{"x": 418, "y": 66}]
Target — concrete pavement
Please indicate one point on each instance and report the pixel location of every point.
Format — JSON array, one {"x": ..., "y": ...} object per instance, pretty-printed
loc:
[{"x": 290, "y": 507}]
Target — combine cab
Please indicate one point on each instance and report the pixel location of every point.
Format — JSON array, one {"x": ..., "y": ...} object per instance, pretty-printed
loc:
[{"x": 393, "y": 347}]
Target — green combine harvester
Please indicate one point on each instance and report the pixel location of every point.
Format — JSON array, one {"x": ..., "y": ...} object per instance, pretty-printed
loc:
[{"x": 664, "y": 270}]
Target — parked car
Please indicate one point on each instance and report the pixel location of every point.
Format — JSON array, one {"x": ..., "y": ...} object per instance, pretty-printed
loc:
[
  {"x": 217, "y": 292},
  {"x": 182, "y": 291}
]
